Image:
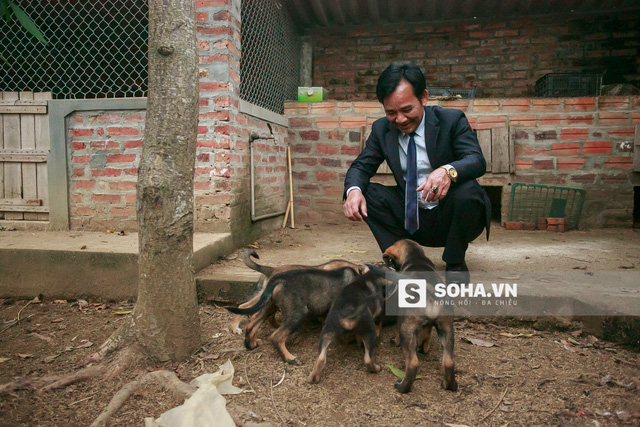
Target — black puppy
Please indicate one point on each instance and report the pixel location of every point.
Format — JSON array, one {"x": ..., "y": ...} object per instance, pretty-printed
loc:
[
  {"x": 358, "y": 308},
  {"x": 267, "y": 272},
  {"x": 414, "y": 326},
  {"x": 298, "y": 294}
]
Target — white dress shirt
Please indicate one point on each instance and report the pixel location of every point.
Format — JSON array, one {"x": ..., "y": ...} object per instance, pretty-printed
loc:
[{"x": 424, "y": 165}]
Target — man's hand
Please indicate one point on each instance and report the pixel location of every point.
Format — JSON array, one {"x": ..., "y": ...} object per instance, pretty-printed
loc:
[
  {"x": 355, "y": 207},
  {"x": 437, "y": 178}
]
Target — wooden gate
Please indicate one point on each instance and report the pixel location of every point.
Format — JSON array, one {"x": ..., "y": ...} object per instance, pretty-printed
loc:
[{"x": 24, "y": 145}]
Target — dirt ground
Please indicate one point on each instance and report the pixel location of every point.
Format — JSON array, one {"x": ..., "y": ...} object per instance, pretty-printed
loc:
[{"x": 552, "y": 377}]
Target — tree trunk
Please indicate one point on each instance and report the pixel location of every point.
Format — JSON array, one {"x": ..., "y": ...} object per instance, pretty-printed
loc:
[{"x": 165, "y": 319}]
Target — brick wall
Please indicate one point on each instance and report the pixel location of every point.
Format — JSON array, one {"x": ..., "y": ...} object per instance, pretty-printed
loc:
[
  {"x": 499, "y": 58},
  {"x": 576, "y": 142},
  {"x": 104, "y": 148}
]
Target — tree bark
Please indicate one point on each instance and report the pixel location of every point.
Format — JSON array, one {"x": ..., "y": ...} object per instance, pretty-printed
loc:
[{"x": 165, "y": 319}]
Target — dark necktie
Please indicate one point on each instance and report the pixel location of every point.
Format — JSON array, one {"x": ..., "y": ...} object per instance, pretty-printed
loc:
[{"x": 410, "y": 196}]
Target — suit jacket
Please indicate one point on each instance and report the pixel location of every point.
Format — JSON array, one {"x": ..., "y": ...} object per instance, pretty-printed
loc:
[{"x": 449, "y": 139}]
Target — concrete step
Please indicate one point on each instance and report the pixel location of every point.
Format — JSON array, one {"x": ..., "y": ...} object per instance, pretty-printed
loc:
[{"x": 84, "y": 264}]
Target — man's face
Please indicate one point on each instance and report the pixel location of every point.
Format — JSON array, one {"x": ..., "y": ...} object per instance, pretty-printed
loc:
[{"x": 403, "y": 109}]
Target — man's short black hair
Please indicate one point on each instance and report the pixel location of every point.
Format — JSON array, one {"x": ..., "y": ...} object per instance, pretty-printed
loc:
[{"x": 391, "y": 77}]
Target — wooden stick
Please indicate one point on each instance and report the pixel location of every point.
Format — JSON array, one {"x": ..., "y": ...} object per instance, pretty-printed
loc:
[
  {"x": 293, "y": 223},
  {"x": 286, "y": 214}
]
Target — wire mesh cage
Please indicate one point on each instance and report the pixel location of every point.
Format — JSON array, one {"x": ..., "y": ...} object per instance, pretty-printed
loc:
[
  {"x": 270, "y": 64},
  {"x": 532, "y": 201},
  {"x": 95, "y": 49},
  {"x": 447, "y": 91},
  {"x": 554, "y": 85}
]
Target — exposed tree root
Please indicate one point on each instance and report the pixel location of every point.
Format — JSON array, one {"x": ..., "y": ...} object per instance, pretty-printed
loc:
[
  {"x": 25, "y": 383},
  {"x": 166, "y": 379}
]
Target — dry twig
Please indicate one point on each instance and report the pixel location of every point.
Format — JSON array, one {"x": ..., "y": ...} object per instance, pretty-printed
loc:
[{"x": 497, "y": 404}]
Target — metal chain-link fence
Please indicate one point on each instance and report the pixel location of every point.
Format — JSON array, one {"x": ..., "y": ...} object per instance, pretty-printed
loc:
[
  {"x": 270, "y": 65},
  {"x": 96, "y": 49}
]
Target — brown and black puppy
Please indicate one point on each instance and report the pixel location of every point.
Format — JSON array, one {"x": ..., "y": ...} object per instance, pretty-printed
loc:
[
  {"x": 414, "y": 325},
  {"x": 298, "y": 294},
  {"x": 358, "y": 308},
  {"x": 267, "y": 273}
]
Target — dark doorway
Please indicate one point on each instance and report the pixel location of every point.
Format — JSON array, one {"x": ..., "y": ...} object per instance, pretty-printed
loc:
[{"x": 495, "y": 196}]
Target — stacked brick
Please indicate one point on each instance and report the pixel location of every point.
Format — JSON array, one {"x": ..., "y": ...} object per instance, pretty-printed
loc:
[
  {"x": 498, "y": 58},
  {"x": 576, "y": 142},
  {"x": 104, "y": 151}
]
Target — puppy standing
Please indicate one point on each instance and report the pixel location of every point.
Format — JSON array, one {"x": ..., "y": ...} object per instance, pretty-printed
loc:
[
  {"x": 359, "y": 307},
  {"x": 414, "y": 328},
  {"x": 267, "y": 273},
  {"x": 298, "y": 294}
]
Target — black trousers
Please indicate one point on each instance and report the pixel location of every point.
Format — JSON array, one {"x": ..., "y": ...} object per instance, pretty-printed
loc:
[{"x": 457, "y": 220}]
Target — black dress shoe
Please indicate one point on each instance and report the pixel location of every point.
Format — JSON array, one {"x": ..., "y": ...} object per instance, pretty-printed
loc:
[{"x": 457, "y": 273}]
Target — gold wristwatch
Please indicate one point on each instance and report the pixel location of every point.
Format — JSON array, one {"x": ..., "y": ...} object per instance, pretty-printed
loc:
[{"x": 451, "y": 172}]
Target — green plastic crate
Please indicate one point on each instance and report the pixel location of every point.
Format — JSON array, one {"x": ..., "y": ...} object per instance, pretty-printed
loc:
[{"x": 532, "y": 201}]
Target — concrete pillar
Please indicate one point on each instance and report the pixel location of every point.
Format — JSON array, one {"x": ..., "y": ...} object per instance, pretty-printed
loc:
[{"x": 306, "y": 62}]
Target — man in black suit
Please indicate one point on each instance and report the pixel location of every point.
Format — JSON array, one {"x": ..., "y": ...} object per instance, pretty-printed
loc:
[{"x": 435, "y": 159}]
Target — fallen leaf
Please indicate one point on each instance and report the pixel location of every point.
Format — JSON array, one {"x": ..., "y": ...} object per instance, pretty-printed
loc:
[
  {"x": 351, "y": 251},
  {"x": 399, "y": 372},
  {"x": 58, "y": 320},
  {"x": 478, "y": 342},
  {"x": 59, "y": 301},
  {"x": 623, "y": 415},
  {"x": 605, "y": 380},
  {"x": 332, "y": 256},
  {"x": 42, "y": 337},
  {"x": 627, "y": 267},
  {"x": 577, "y": 333},
  {"x": 24, "y": 356},
  {"x": 508, "y": 335},
  {"x": 4, "y": 359},
  {"x": 85, "y": 345},
  {"x": 210, "y": 357},
  {"x": 253, "y": 245},
  {"x": 574, "y": 342},
  {"x": 83, "y": 247},
  {"x": 121, "y": 312}
]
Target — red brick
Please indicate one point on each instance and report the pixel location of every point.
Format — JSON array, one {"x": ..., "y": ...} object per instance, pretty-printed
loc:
[
  {"x": 515, "y": 104},
  {"x": 529, "y": 225},
  {"x": 121, "y": 158},
  {"x": 489, "y": 122},
  {"x": 222, "y": 157},
  {"x": 523, "y": 164},
  {"x": 321, "y": 107},
  {"x": 214, "y": 143},
  {"x": 513, "y": 225},
  {"x": 542, "y": 223},
  {"x": 545, "y": 104},
  {"x": 298, "y": 122},
  {"x": 78, "y": 172},
  {"x": 613, "y": 102},
  {"x": 326, "y": 149},
  {"x": 597, "y": 147},
  {"x": 122, "y": 185},
  {"x": 485, "y": 105},
  {"x": 331, "y": 163},
  {"x": 543, "y": 164},
  {"x": 203, "y": 130},
  {"x": 555, "y": 221},
  {"x": 131, "y": 171},
  {"x": 350, "y": 150},
  {"x": 573, "y": 104},
  {"x": 309, "y": 161},
  {"x": 310, "y": 135},
  {"x": 208, "y": 3},
  {"x": 213, "y": 87},
  {"x": 201, "y": 17},
  {"x": 570, "y": 163},
  {"x": 327, "y": 122},
  {"x": 214, "y": 199},
  {"x": 108, "y": 198},
  {"x": 133, "y": 144},
  {"x": 130, "y": 199},
  {"x": 613, "y": 119},
  {"x": 574, "y": 133},
  {"x": 106, "y": 172},
  {"x": 85, "y": 183},
  {"x": 209, "y": 59},
  {"x": 82, "y": 132},
  {"x": 115, "y": 131},
  {"x": 352, "y": 122},
  {"x": 575, "y": 120},
  {"x": 301, "y": 148},
  {"x": 78, "y": 146},
  {"x": 81, "y": 159},
  {"x": 122, "y": 211},
  {"x": 622, "y": 132},
  {"x": 554, "y": 120},
  {"x": 565, "y": 149},
  {"x": 326, "y": 176},
  {"x": 84, "y": 211},
  {"x": 619, "y": 162},
  {"x": 222, "y": 115},
  {"x": 224, "y": 30},
  {"x": 105, "y": 145},
  {"x": 523, "y": 120}
]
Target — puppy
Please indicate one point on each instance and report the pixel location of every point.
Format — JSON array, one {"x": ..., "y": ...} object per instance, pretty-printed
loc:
[
  {"x": 414, "y": 329},
  {"x": 267, "y": 273},
  {"x": 358, "y": 308},
  {"x": 297, "y": 293}
]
